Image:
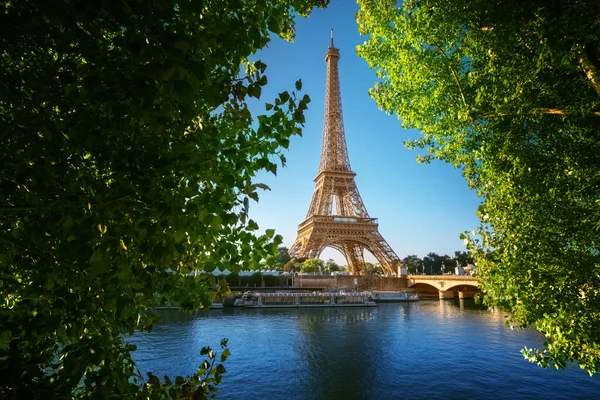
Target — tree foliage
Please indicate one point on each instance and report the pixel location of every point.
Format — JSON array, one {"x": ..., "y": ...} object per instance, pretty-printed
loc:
[
  {"x": 510, "y": 93},
  {"x": 413, "y": 264},
  {"x": 281, "y": 258},
  {"x": 331, "y": 265},
  {"x": 462, "y": 257},
  {"x": 313, "y": 265},
  {"x": 433, "y": 263},
  {"x": 127, "y": 157},
  {"x": 201, "y": 385},
  {"x": 373, "y": 269},
  {"x": 436, "y": 264}
]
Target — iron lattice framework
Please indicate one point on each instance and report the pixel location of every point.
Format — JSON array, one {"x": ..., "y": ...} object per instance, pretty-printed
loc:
[{"x": 336, "y": 216}]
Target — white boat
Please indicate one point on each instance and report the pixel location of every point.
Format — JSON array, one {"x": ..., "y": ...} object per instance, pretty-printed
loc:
[
  {"x": 305, "y": 300},
  {"x": 394, "y": 297},
  {"x": 214, "y": 306}
]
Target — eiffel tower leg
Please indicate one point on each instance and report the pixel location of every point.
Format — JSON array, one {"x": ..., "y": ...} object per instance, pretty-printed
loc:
[
  {"x": 295, "y": 249},
  {"x": 314, "y": 252},
  {"x": 309, "y": 248},
  {"x": 354, "y": 255},
  {"x": 359, "y": 254},
  {"x": 384, "y": 253}
]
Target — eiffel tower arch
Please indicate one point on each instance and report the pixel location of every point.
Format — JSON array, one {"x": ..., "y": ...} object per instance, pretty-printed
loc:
[{"x": 337, "y": 216}]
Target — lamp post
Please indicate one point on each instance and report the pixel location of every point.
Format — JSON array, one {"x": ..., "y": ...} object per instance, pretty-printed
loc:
[{"x": 443, "y": 268}]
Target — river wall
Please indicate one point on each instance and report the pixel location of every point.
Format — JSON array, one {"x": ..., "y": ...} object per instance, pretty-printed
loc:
[{"x": 373, "y": 283}]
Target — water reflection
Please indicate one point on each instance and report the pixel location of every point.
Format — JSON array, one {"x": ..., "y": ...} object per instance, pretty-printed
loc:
[
  {"x": 430, "y": 349},
  {"x": 336, "y": 342}
]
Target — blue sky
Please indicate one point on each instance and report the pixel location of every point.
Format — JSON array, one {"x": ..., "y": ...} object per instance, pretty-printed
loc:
[{"x": 421, "y": 208}]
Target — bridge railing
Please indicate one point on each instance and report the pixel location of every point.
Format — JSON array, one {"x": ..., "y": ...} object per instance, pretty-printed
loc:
[{"x": 444, "y": 277}]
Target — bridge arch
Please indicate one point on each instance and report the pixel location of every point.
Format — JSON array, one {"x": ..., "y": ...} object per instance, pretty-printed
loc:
[
  {"x": 425, "y": 290},
  {"x": 444, "y": 286},
  {"x": 462, "y": 287}
]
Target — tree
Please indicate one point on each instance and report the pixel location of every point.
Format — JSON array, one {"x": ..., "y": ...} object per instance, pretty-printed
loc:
[
  {"x": 294, "y": 265},
  {"x": 289, "y": 266},
  {"x": 413, "y": 264},
  {"x": 463, "y": 258},
  {"x": 312, "y": 265},
  {"x": 278, "y": 260},
  {"x": 128, "y": 160},
  {"x": 433, "y": 263},
  {"x": 282, "y": 257},
  {"x": 373, "y": 269},
  {"x": 331, "y": 265},
  {"x": 510, "y": 93}
]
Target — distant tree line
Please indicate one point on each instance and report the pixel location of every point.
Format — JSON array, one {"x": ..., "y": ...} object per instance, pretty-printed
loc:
[
  {"x": 431, "y": 264},
  {"x": 434, "y": 264}
]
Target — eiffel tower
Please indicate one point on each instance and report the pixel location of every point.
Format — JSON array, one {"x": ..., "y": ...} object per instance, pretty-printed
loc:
[{"x": 336, "y": 216}]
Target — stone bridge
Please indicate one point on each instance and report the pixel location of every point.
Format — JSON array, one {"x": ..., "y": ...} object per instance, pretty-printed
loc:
[
  {"x": 446, "y": 286},
  {"x": 427, "y": 286}
]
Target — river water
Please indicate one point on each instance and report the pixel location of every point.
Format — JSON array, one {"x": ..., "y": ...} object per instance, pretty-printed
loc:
[{"x": 425, "y": 350}]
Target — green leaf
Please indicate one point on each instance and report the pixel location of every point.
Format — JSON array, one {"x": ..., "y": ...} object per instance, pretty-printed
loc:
[
  {"x": 260, "y": 66},
  {"x": 283, "y": 97},
  {"x": 254, "y": 90},
  {"x": 252, "y": 226},
  {"x": 183, "y": 89},
  {"x": 224, "y": 355},
  {"x": 216, "y": 222},
  {"x": 221, "y": 369}
]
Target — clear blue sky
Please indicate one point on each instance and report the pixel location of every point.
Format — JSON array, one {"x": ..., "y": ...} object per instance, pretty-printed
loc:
[{"x": 421, "y": 208}]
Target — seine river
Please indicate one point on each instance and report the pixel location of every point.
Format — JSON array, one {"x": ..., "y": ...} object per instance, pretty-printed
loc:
[{"x": 425, "y": 350}]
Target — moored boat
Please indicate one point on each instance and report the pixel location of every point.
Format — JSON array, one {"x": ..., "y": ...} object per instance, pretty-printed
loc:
[
  {"x": 214, "y": 306},
  {"x": 394, "y": 297},
  {"x": 305, "y": 300}
]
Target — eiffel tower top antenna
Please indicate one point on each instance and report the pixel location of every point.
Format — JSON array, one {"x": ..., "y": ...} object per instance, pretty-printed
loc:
[{"x": 334, "y": 154}]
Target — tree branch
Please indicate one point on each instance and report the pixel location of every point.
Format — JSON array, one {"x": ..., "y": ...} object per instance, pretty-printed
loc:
[
  {"x": 460, "y": 89},
  {"x": 114, "y": 200},
  {"x": 13, "y": 209},
  {"x": 10, "y": 280},
  {"x": 26, "y": 208},
  {"x": 588, "y": 67},
  {"x": 550, "y": 111},
  {"x": 243, "y": 148}
]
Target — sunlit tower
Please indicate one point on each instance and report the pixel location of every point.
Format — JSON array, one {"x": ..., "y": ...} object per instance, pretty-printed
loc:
[{"x": 337, "y": 217}]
